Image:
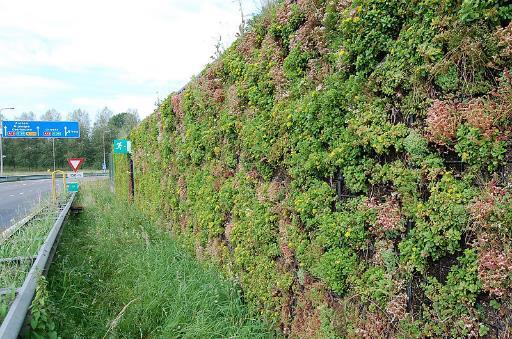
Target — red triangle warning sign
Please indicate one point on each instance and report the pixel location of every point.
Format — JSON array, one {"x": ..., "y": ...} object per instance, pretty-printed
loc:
[{"x": 75, "y": 163}]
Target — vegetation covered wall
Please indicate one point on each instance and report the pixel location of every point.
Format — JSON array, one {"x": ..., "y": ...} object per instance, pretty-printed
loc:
[
  {"x": 349, "y": 163},
  {"x": 122, "y": 176}
]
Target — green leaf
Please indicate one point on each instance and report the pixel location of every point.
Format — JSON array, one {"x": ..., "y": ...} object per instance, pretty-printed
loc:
[
  {"x": 484, "y": 330},
  {"x": 34, "y": 322},
  {"x": 494, "y": 304}
]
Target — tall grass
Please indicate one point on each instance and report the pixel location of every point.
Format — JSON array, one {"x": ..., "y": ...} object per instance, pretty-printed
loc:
[
  {"x": 25, "y": 242},
  {"x": 116, "y": 275}
]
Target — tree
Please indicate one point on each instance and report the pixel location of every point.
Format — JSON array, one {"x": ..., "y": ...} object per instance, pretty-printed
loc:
[
  {"x": 100, "y": 137},
  {"x": 80, "y": 147},
  {"x": 121, "y": 124},
  {"x": 51, "y": 115},
  {"x": 27, "y": 116}
]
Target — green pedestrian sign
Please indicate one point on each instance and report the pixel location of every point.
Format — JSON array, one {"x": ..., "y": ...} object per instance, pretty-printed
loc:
[
  {"x": 122, "y": 146},
  {"x": 73, "y": 187}
]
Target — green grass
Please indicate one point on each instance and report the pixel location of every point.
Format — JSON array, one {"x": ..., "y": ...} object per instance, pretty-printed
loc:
[
  {"x": 26, "y": 242},
  {"x": 116, "y": 275}
]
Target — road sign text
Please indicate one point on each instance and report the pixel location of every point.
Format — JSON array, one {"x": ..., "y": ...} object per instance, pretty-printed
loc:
[{"x": 41, "y": 129}]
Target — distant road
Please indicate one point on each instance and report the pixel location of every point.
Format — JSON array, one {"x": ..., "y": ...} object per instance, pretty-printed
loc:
[{"x": 17, "y": 199}]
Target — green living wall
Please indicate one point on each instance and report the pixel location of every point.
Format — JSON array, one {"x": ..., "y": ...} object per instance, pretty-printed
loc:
[
  {"x": 121, "y": 175},
  {"x": 349, "y": 164}
]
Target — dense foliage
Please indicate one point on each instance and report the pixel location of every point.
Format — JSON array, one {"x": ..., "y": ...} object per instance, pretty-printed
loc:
[{"x": 349, "y": 163}]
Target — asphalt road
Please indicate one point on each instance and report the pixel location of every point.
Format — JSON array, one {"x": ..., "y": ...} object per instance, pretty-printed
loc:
[{"x": 18, "y": 199}]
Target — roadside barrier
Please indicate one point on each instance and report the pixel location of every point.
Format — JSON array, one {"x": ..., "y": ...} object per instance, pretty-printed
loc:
[{"x": 19, "y": 308}]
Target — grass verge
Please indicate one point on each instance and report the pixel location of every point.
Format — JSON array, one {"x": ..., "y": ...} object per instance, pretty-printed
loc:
[
  {"x": 117, "y": 275},
  {"x": 17, "y": 248}
]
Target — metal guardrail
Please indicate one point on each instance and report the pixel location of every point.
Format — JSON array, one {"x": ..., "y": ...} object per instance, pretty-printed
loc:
[
  {"x": 13, "y": 322},
  {"x": 14, "y": 178}
]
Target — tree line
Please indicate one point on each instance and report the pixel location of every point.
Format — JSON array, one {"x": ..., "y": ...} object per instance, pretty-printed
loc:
[{"x": 37, "y": 154}]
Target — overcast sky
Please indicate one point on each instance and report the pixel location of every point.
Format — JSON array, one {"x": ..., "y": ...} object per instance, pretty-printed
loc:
[{"x": 90, "y": 54}]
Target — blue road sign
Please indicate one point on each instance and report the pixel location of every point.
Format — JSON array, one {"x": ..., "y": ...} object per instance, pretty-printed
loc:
[{"x": 41, "y": 129}]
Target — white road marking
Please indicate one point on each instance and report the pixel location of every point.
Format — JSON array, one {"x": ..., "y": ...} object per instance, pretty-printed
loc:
[{"x": 21, "y": 193}]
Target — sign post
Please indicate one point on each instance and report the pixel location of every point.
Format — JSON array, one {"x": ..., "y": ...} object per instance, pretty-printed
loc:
[
  {"x": 1, "y": 145},
  {"x": 1, "y": 151},
  {"x": 42, "y": 130},
  {"x": 18, "y": 129},
  {"x": 75, "y": 164}
]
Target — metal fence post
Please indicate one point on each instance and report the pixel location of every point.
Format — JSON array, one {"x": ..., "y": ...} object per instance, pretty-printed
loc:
[{"x": 131, "y": 187}]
